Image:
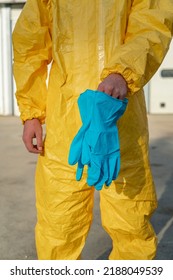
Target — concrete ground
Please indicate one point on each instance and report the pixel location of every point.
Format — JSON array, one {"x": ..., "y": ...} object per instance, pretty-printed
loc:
[{"x": 17, "y": 198}]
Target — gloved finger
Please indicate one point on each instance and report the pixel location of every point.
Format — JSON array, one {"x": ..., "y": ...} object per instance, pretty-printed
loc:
[
  {"x": 98, "y": 182},
  {"x": 86, "y": 153},
  {"x": 79, "y": 171},
  {"x": 93, "y": 173},
  {"x": 117, "y": 169},
  {"x": 112, "y": 166},
  {"x": 98, "y": 186},
  {"x": 75, "y": 148},
  {"x": 103, "y": 175}
]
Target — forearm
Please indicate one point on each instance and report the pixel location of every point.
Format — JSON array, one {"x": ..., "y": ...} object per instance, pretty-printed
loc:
[
  {"x": 32, "y": 52},
  {"x": 147, "y": 39}
]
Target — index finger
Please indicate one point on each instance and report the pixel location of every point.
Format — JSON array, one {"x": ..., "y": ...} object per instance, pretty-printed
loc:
[{"x": 30, "y": 146}]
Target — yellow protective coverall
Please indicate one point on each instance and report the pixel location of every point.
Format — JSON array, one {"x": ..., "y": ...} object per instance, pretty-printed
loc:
[{"x": 86, "y": 41}]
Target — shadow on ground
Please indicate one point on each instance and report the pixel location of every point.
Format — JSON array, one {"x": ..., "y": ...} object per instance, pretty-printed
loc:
[{"x": 161, "y": 157}]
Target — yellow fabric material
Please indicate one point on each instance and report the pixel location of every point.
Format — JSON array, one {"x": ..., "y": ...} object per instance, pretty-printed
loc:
[{"x": 85, "y": 41}]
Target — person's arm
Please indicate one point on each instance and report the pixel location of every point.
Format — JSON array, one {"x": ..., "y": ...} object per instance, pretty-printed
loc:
[
  {"x": 148, "y": 35},
  {"x": 32, "y": 53}
]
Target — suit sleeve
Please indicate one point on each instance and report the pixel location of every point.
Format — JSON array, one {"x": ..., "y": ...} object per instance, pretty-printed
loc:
[
  {"x": 32, "y": 53},
  {"x": 147, "y": 39}
]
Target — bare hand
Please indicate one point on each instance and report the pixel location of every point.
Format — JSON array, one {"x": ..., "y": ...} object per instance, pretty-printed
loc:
[
  {"x": 33, "y": 129},
  {"x": 114, "y": 85}
]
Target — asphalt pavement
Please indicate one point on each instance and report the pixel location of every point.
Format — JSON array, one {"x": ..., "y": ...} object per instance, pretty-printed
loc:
[{"x": 17, "y": 196}]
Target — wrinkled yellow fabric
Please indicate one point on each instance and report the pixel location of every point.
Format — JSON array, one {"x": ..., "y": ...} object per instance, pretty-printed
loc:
[{"x": 85, "y": 41}]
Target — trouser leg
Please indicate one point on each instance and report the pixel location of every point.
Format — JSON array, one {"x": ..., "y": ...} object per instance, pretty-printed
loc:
[
  {"x": 127, "y": 223},
  {"x": 64, "y": 212}
]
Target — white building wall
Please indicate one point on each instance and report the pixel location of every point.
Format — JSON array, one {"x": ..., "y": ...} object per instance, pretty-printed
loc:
[
  {"x": 1, "y": 67},
  {"x": 6, "y": 58},
  {"x": 9, "y": 12},
  {"x": 161, "y": 87},
  {"x": 15, "y": 12}
]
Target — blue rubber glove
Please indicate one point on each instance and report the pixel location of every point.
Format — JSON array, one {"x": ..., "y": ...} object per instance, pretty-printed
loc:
[
  {"x": 103, "y": 140},
  {"x": 96, "y": 143},
  {"x": 79, "y": 148}
]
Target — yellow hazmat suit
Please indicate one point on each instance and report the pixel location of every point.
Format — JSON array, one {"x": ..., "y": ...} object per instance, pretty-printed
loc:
[{"x": 86, "y": 41}]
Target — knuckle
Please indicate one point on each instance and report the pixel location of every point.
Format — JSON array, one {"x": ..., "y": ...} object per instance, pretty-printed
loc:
[{"x": 109, "y": 89}]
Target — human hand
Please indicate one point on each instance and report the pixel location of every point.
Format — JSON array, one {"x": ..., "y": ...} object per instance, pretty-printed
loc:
[
  {"x": 114, "y": 85},
  {"x": 33, "y": 129}
]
